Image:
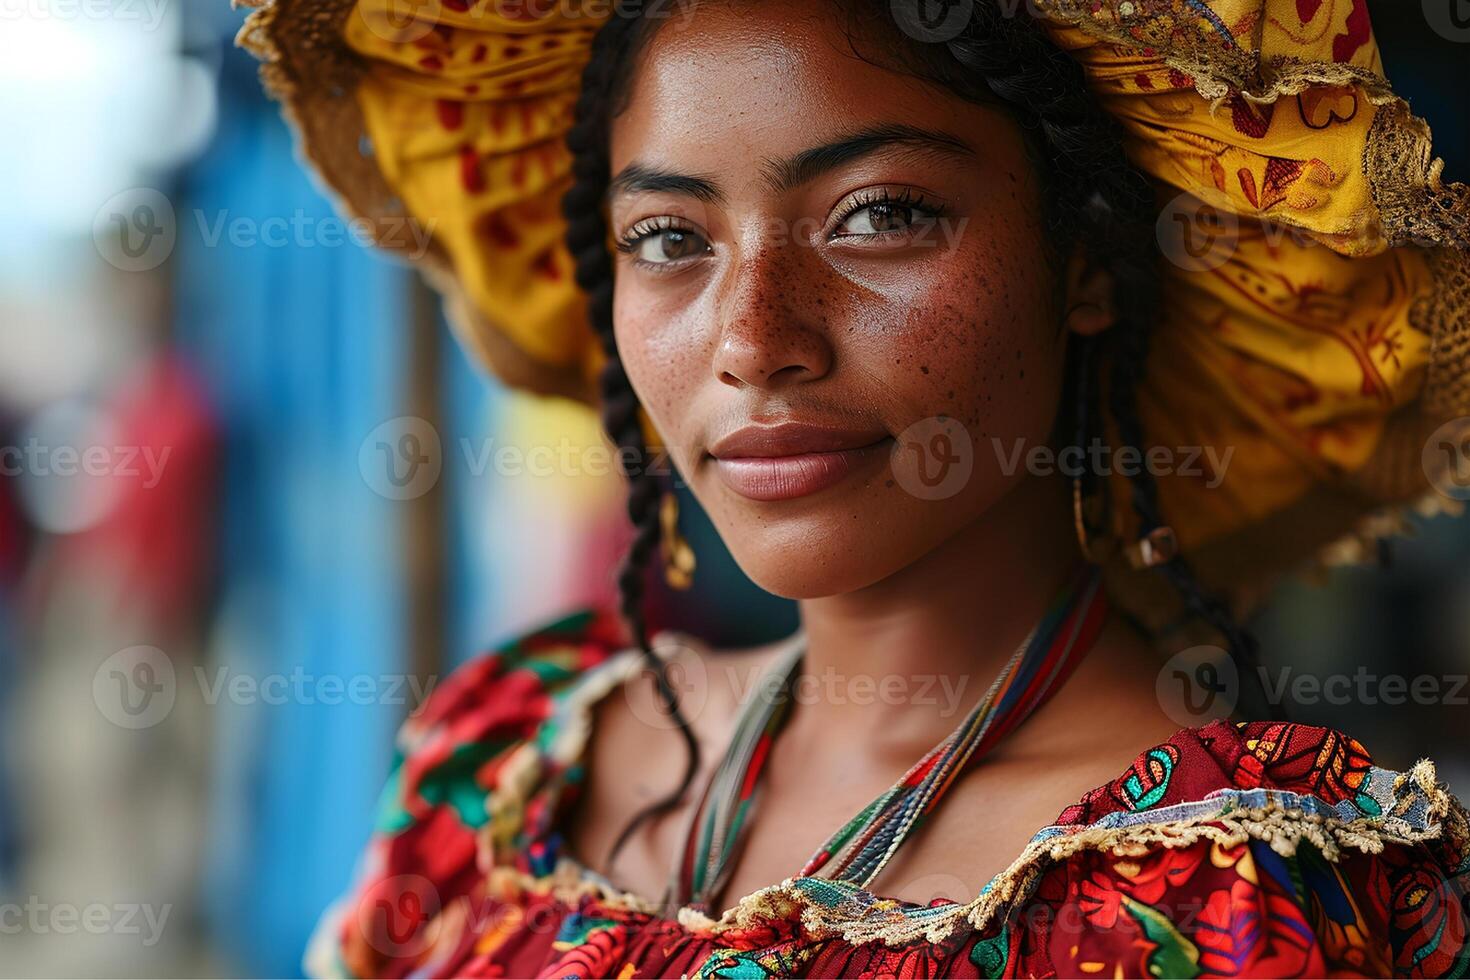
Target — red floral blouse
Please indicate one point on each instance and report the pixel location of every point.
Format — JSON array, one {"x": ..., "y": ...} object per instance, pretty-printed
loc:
[{"x": 1255, "y": 849}]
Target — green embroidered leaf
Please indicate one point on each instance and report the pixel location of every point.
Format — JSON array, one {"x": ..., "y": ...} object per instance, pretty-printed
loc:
[
  {"x": 577, "y": 929},
  {"x": 1140, "y": 798},
  {"x": 1173, "y": 955},
  {"x": 732, "y": 964},
  {"x": 453, "y": 782},
  {"x": 549, "y": 674},
  {"x": 1368, "y": 805},
  {"x": 393, "y": 817},
  {"x": 991, "y": 955}
]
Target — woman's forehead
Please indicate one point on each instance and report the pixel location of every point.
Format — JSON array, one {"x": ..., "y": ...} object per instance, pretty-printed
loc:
[{"x": 736, "y": 84}]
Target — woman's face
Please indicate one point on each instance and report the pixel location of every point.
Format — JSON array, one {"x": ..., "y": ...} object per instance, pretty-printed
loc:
[{"x": 831, "y": 293}]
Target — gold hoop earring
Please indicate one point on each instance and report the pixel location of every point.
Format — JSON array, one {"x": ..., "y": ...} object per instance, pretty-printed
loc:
[
  {"x": 678, "y": 556},
  {"x": 1157, "y": 547}
]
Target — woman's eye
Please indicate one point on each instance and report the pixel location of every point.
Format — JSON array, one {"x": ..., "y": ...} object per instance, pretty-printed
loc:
[
  {"x": 668, "y": 245},
  {"x": 882, "y": 217}
]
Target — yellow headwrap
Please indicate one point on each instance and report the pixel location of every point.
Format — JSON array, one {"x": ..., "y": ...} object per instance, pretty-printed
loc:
[{"x": 1315, "y": 302}]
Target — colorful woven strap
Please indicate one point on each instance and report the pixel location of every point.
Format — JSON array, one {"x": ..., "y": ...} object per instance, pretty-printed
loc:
[
  {"x": 865, "y": 844},
  {"x": 1038, "y": 668},
  {"x": 718, "y": 824}
]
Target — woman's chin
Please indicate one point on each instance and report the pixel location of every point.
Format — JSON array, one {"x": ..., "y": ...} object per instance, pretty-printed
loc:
[
  {"x": 813, "y": 560},
  {"x": 847, "y": 537},
  {"x": 802, "y": 582}
]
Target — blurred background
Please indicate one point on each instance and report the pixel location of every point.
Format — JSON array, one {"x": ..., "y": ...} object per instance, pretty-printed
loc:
[{"x": 202, "y": 370}]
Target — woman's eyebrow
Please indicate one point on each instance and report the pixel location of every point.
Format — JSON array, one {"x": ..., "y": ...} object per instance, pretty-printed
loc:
[
  {"x": 807, "y": 165},
  {"x": 638, "y": 178},
  {"x": 783, "y": 175}
]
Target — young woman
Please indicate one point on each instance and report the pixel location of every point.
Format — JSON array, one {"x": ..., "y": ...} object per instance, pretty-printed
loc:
[{"x": 874, "y": 272}]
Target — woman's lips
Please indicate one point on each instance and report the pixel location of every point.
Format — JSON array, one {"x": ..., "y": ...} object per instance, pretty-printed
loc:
[
  {"x": 788, "y": 477},
  {"x": 793, "y": 460}
]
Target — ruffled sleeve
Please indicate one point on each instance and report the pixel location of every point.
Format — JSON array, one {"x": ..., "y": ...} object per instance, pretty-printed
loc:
[
  {"x": 464, "y": 785},
  {"x": 1302, "y": 859}
]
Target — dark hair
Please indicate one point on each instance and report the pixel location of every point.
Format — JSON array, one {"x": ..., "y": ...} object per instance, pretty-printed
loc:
[{"x": 1093, "y": 197}]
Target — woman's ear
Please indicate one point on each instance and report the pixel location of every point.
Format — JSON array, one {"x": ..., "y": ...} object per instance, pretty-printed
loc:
[{"x": 1089, "y": 296}]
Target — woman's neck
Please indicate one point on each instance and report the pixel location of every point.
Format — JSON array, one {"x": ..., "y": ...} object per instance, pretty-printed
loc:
[{"x": 937, "y": 633}]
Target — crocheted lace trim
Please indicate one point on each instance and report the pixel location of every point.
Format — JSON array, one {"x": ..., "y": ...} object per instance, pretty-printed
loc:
[
  {"x": 1415, "y": 205},
  {"x": 1422, "y": 811},
  {"x": 1413, "y": 808}
]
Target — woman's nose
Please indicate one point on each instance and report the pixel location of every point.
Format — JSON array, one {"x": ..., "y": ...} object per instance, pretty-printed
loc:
[{"x": 769, "y": 336}]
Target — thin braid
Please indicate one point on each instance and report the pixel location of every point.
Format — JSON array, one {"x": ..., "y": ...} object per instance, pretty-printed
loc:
[
  {"x": 586, "y": 238},
  {"x": 1048, "y": 90},
  {"x": 1127, "y": 370}
]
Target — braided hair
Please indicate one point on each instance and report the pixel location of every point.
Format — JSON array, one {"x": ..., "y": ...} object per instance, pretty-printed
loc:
[
  {"x": 1093, "y": 197},
  {"x": 587, "y": 233}
]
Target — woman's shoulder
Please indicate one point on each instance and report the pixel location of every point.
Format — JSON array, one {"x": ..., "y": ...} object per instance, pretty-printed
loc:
[
  {"x": 1259, "y": 848},
  {"x": 475, "y": 775},
  {"x": 523, "y": 672},
  {"x": 1283, "y": 786},
  {"x": 1252, "y": 764},
  {"x": 496, "y": 716},
  {"x": 1266, "y": 848}
]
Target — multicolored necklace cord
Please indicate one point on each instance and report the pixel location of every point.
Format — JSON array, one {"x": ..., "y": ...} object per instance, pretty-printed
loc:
[{"x": 865, "y": 844}]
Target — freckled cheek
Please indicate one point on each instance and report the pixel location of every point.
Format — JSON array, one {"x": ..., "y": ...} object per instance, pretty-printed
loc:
[
  {"x": 978, "y": 342},
  {"x": 665, "y": 366}
]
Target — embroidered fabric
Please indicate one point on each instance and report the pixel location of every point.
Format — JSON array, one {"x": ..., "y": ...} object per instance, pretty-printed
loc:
[{"x": 1202, "y": 858}]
